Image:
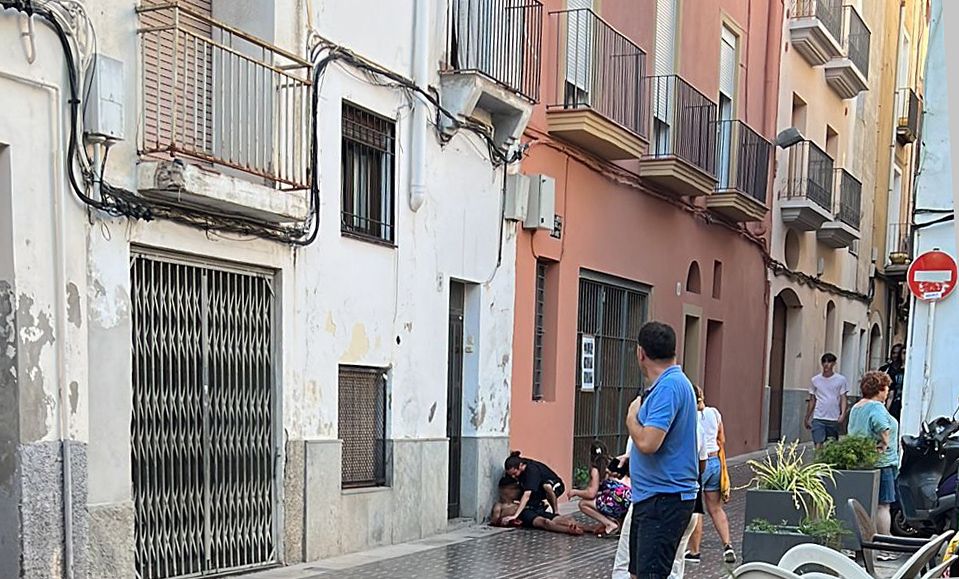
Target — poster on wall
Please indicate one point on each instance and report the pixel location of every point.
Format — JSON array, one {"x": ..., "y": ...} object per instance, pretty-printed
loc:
[{"x": 587, "y": 363}]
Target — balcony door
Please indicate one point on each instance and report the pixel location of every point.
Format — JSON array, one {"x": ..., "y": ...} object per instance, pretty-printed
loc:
[
  {"x": 579, "y": 52},
  {"x": 663, "y": 88},
  {"x": 727, "y": 98}
]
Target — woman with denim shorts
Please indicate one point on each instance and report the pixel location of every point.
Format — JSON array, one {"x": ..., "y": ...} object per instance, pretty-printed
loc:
[
  {"x": 711, "y": 422},
  {"x": 869, "y": 418}
]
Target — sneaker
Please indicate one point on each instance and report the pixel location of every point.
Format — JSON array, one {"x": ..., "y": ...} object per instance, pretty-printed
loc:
[
  {"x": 691, "y": 558},
  {"x": 729, "y": 555}
]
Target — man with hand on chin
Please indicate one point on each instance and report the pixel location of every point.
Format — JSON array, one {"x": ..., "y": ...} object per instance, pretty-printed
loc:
[{"x": 663, "y": 464}]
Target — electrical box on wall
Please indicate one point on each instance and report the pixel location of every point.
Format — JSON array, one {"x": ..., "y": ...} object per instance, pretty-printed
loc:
[
  {"x": 103, "y": 115},
  {"x": 542, "y": 203},
  {"x": 517, "y": 197}
]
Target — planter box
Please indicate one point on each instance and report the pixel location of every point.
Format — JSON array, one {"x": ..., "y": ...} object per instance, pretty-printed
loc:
[
  {"x": 773, "y": 507},
  {"x": 862, "y": 485},
  {"x": 770, "y": 547}
]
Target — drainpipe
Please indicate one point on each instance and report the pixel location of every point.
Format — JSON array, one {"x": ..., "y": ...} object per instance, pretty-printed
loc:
[
  {"x": 421, "y": 73},
  {"x": 774, "y": 26}
]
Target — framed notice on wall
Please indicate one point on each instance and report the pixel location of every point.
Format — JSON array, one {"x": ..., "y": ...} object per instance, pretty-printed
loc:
[{"x": 588, "y": 363}]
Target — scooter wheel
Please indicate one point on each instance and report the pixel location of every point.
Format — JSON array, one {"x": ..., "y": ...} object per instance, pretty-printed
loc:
[{"x": 900, "y": 527}]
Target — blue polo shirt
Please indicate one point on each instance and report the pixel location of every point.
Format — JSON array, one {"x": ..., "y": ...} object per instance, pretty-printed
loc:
[{"x": 669, "y": 405}]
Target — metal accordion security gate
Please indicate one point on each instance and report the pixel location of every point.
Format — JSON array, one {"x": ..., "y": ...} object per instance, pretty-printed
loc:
[{"x": 203, "y": 440}]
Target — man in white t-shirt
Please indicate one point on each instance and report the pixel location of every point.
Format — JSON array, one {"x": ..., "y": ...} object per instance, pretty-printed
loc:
[
  {"x": 621, "y": 563},
  {"x": 828, "y": 402}
]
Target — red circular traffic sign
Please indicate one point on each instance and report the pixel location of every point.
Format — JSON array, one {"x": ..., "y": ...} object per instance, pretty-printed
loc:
[{"x": 933, "y": 276}]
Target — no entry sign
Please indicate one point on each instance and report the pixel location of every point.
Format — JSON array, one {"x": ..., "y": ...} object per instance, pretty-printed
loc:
[{"x": 932, "y": 276}]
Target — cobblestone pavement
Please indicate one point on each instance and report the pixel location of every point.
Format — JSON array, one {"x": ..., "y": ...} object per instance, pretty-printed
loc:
[{"x": 522, "y": 554}]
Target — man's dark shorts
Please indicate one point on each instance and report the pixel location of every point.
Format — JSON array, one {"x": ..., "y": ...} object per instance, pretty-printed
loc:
[
  {"x": 530, "y": 514},
  {"x": 823, "y": 430},
  {"x": 655, "y": 533}
]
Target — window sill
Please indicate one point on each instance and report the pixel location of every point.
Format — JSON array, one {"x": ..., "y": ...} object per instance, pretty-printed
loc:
[
  {"x": 368, "y": 239},
  {"x": 366, "y": 490}
]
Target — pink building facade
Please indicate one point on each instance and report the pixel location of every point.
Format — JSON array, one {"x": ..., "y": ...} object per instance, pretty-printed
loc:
[{"x": 654, "y": 130}]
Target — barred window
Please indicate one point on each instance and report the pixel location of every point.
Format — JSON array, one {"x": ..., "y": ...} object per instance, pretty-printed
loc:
[
  {"x": 362, "y": 426},
  {"x": 541, "y": 269},
  {"x": 369, "y": 189}
]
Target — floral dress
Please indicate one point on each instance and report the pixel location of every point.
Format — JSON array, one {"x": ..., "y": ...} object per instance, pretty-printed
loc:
[{"x": 613, "y": 498}]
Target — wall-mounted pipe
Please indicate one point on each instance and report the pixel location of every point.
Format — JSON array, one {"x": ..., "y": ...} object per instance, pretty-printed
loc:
[{"x": 421, "y": 72}]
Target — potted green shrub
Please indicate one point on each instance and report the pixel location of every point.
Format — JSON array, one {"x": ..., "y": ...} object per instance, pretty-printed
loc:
[
  {"x": 766, "y": 542},
  {"x": 786, "y": 487},
  {"x": 853, "y": 459}
]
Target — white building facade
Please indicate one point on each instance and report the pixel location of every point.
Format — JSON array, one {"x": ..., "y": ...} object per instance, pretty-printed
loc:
[
  {"x": 208, "y": 391},
  {"x": 932, "y": 376}
]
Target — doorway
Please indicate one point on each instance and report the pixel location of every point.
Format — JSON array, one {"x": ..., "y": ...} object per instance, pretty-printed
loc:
[
  {"x": 712, "y": 381},
  {"x": 691, "y": 349},
  {"x": 454, "y": 395},
  {"x": 777, "y": 370}
]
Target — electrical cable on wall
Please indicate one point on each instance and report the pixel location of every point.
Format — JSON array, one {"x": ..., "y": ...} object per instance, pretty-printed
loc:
[{"x": 69, "y": 21}]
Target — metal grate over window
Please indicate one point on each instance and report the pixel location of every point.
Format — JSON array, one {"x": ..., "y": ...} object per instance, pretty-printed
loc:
[
  {"x": 613, "y": 316},
  {"x": 362, "y": 425},
  {"x": 369, "y": 145},
  {"x": 202, "y": 428},
  {"x": 541, "y": 269}
]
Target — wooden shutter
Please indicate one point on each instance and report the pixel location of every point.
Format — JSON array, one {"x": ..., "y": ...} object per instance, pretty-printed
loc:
[
  {"x": 194, "y": 79},
  {"x": 727, "y": 64}
]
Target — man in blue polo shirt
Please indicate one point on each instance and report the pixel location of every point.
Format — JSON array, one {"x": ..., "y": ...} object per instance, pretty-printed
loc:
[{"x": 663, "y": 462}]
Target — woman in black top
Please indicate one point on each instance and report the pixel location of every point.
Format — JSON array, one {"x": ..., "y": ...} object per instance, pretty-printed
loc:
[
  {"x": 541, "y": 486},
  {"x": 897, "y": 371}
]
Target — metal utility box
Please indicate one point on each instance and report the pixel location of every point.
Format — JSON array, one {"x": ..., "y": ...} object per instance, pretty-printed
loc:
[
  {"x": 517, "y": 197},
  {"x": 103, "y": 116},
  {"x": 542, "y": 203}
]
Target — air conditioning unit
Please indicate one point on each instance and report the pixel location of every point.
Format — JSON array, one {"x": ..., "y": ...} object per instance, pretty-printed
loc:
[
  {"x": 542, "y": 203},
  {"x": 517, "y": 197}
]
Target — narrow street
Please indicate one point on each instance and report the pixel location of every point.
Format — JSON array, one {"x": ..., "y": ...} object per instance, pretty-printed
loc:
[{"x": 483, "y": 553}]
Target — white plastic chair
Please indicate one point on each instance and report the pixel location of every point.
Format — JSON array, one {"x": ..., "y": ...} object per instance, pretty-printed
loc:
[
  {"x": 937, "y": 571},
  {"x": 812, "y": 554},
  {"x": 763, "y": 571}
]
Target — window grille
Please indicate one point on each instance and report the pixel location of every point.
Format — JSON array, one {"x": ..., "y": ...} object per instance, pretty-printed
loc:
[
  {"x": 541, "y": 269},
  {"x": 368, "y": 175},
  {"x": 362, "y": 426}
]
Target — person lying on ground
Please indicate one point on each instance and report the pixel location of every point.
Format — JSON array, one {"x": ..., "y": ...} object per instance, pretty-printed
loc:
[
  {"x": 539, "y": 482},
  {"x": 535, "y": 516},
  {"x": 605, "y": 499}
]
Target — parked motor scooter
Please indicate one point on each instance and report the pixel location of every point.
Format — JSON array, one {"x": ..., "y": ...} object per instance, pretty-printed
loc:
[{"x": 927, "y": 480}]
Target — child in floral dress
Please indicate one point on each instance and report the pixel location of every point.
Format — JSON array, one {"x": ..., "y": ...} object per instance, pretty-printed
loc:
[{"x": 606, "y": 498}]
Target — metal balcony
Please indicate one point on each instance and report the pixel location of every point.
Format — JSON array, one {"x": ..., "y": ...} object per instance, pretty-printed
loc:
[
  {"x": 682, "y": 153},
  {"x": 743, "y": 173},
  {"x": 848, "y": 74},
  {"x": 223, "y": 97},
  {"x": 815, "y": 29},
  {"x": 493, "y": 50},
  {"x": 898, "y": 251},
  {"x": 908, "y": 112},
  {"x": 806, "y": 202},
  {"x": 599, "y": 94},
  {"x": 843, "y": 230}
]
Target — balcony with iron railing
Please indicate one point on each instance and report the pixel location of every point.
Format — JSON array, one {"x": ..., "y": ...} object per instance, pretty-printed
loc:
[
  {"x": 848, "y": 74},
  {"x": 843, "y": 229},
  {"x": 815, "y": 30},
  {"x": 682, "y": 149},
  {"x": 493, "y": 63},
  {"x": 598, "y": 100},
  {"x": 908, "y": 112},
  {"x": 742, "y": 171},
  {"x": 898, "y": 250},
  {"x": 806, "y": 202},
  {"x": 234, "y": 110}
]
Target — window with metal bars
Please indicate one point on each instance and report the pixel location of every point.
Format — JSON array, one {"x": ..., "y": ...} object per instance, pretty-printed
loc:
[
  {"x": 368, "y": 175},
  {"x": 542, "y": 268},
  {"x": 362, "y": 425}
]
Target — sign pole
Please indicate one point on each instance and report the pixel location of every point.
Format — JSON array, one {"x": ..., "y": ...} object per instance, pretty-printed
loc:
[{"x": 927, "y": 367}]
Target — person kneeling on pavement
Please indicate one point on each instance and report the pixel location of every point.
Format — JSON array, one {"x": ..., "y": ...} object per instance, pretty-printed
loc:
[{"x": 505, "y": 512}]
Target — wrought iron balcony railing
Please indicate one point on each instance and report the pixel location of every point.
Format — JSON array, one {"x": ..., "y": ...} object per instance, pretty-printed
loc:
[
  {"x": 501, "y": 39},
  {"x": 849, "y": 198},
  {"x": 908, "y": 111},
  {"x": 743, "y": 160},
  {"x": 856, "y": 39},
  {"x": 684, "y": 122},
  {"x": 599, "y": 69},
  {"x": 829, "y": 12},
  {"x": 225, "y": 97},
  {"x": 810, "y": 175}
]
